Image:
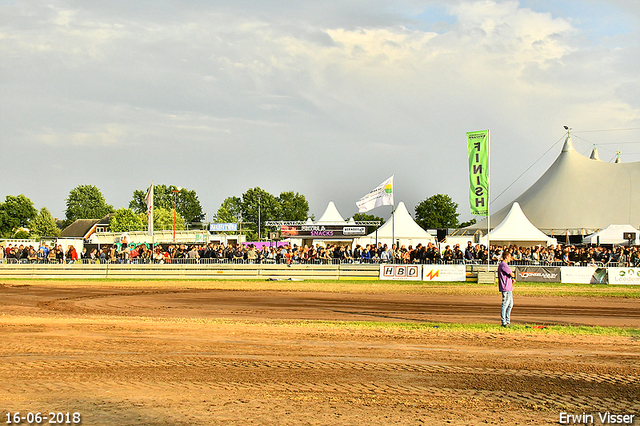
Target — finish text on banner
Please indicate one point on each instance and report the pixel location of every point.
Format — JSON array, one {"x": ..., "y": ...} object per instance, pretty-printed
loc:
[{"x": 478, "y": 146}]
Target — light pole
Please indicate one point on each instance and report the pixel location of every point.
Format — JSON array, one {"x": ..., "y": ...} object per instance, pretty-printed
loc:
[
  {"x": 175, "y": 202},
  {"x": 259, "y": 205}
]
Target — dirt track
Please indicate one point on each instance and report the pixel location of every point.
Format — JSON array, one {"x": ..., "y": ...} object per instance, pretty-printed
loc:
[{"x": 158, "y": 356}]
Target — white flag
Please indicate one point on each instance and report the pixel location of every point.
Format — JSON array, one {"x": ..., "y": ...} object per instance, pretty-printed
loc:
[
  {"x": 381, "y": 196},
  {"x": 149, "y": 201}
]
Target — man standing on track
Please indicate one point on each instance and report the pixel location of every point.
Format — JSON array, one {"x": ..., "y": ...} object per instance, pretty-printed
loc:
[{"x": 505, "y": 285}]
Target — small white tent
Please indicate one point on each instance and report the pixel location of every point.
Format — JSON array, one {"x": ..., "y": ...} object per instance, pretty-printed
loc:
[
  {"x": 612, "y": 234},
  {"x": 407, "y": 231},
  {"x": 331, "y": 216},
  {"x": 518, "y": 230}
]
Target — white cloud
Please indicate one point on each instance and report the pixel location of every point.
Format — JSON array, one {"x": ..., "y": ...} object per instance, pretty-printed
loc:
[
  {"x": 109, "y": 135},
  {"x": 348, "y": 86}
]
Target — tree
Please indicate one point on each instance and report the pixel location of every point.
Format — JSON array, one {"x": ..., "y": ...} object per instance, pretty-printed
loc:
[
  {"x": 468, "y": 223},
  {"x": 437, "y": 211},
  {"x": 293, "y": 206},
  {"x": 186, "y": 202},
  {"x": 230, "y": 211},
  {"x": 86, "y": 202},
  {"x": 163, "y": 219},
  {"x": 16, "y": 212},
  {"x": 44, "y": 225},
  {"x": 258, "y": 202},
  {"x": 368, "y": 217},
  {"x": 124, "y": 220}
]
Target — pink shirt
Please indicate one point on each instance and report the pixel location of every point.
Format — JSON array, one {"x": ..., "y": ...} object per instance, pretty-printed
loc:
[{"x": 505, "y": 283}]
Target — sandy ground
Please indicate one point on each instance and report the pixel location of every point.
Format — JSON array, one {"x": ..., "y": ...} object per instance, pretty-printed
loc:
[{"x": 181, "y": 356}]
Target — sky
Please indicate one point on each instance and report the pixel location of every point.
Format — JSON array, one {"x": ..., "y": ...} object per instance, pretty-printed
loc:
[{"x": 327, "y": 98}]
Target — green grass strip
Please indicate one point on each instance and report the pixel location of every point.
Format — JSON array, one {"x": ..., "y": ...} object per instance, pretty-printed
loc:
[{"x": 474, "y": 327}]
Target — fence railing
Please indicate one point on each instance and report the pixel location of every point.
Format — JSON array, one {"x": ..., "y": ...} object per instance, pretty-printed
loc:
[
  {"x": 218, "y": 261},
  {"x": 278, "y": 261}
]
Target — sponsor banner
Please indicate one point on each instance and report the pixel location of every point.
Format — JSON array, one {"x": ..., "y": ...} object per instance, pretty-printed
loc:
[
  {"x": 444, "y": 273},
  {"x": 624, "y": 276},
  {"x": 401, "y": 272},
  {"x": 478, "y": 148},
  {"x": 323, "y": 231},
  {"x": 539, "y": 274},
  {"x": 583, "y": 275},
  {"x": 223, "y": 227}
]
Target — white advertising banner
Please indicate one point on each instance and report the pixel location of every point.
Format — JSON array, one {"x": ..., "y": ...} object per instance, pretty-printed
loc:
[
  {"x": 401, "y": 272},
  {"x": 624, "y": 276},
  {"x": 583, "y": 275},
  {"x": 444, "y": 273}
]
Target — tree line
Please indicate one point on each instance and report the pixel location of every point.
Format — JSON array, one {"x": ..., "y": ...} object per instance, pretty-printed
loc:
[{"x": 20, "y": 219}]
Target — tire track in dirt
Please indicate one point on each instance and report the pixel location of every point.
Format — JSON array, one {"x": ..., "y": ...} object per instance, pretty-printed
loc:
[
  {"x": 546, "y": 401},
  {"x": 212, "y": 363}
]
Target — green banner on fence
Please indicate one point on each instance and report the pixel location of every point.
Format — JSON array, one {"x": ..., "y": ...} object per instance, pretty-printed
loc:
[{"x": 478, "y": 146}]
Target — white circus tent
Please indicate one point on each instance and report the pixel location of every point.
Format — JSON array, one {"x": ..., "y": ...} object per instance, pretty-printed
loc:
[
  {"x": 406, "y": 230},
  {"x": 518, "y": 230},
  {"x": 578, "y": 195}
]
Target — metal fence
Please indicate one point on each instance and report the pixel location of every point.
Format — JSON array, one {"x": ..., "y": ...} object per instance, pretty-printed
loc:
[
  {"x": 224, "y": 261},
  {"x": 220, "y": 261}
]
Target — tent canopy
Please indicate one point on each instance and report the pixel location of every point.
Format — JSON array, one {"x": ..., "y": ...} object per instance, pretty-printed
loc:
[
  {"x": 517, "y": 229},
  {"x": 405, "y": 229},
  {"x": 612, "y": 234}
]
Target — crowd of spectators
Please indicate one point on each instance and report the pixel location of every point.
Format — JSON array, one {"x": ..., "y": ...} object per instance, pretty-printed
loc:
[
  {"x": 559, "y": 255},
  {"x": 571, "y": 255}
]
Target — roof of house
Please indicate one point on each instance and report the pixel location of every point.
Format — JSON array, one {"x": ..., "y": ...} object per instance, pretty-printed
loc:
[
  {"x": 83, "y": 228},
  {"x": 79, "y": 229}
]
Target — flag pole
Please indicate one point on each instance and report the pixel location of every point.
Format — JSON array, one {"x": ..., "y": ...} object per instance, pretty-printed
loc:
[
  {"x": 393, "y": 215},
  {"x": 150, "y": 220},
  {"x": 488, "y": 197},
  {"x": 153, "y": 234}
]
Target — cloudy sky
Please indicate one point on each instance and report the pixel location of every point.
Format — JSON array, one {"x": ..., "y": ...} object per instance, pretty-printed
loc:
[{"x": 326, "y": 98}]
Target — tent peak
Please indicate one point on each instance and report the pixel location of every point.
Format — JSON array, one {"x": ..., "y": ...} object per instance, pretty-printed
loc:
[
  {"x": 331, "y": 215},
  {"x": 594, "y": 153},
  {"x": 568, "y": 144}
]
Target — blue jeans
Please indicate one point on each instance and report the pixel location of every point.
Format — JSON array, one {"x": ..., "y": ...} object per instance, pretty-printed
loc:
[{"x": 507, "y": 304}]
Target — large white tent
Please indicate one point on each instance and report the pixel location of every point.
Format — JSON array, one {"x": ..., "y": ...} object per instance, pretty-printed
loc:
[
  {"x": 612, "y": 234},
  {"x": 405, "y": 230},
  {"x": 517, "y": 229},
  {"x": 578, "y": 195}
]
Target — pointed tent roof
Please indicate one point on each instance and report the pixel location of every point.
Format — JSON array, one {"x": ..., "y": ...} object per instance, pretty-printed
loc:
[
  {"x": 594, "y": 154},
  {"x": 579, "y": 196},
  {"x": 331, "y": 216},
  {"x": 405, "y": 227},
  {"x": 517, "y": 229}
]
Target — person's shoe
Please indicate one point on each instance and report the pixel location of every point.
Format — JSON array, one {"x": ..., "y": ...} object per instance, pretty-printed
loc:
[{"x": 505, "y": 325}]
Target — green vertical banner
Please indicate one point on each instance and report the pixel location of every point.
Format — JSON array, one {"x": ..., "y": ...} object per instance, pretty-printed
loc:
[{"x": 477, "y": 143}]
